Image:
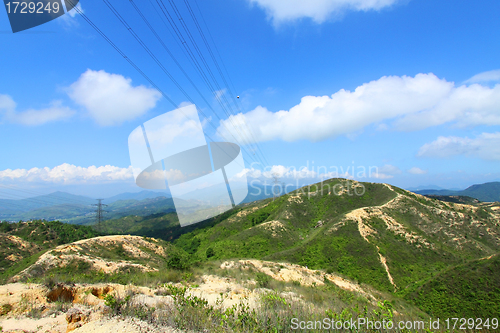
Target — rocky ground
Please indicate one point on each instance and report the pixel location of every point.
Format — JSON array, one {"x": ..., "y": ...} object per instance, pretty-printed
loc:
[{"x": 28, "y": 307}]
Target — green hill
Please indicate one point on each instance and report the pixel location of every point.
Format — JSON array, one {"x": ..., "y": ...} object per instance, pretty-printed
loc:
[
  {"x": 22, "y": 243},
  {"x": 390, "y": 240},
  {"x": 470, "y": 290},
  {"x": 388, "y": 237},
  {"x": 488, "y": 192}
]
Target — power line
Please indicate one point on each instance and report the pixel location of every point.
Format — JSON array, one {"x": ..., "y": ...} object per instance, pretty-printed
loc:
[
  {"x": 173, "y": 58},
  {"x": 231, "y": 93},
  {"x": 139, "y": 40},
  {"x": 106, "y": 38},
  {"x": 195, "y": 62}
]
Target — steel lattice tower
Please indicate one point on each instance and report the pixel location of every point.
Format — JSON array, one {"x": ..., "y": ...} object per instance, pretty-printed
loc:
[{"x": 99, "y": 212}]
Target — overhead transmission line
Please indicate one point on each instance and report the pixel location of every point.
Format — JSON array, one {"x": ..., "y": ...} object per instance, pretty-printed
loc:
[
  {"x": 89, "y": 21},
  {"x": 214, "y": 59},
  {"x": 197, "y": 65},
  {"x": 151, "y": 54},
  {"x": 146, "y": 21},
  {"x": 193, "y": 59}
]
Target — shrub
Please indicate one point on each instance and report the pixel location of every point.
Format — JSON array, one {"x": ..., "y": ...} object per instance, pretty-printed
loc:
[
  {"x": 178, "y": 261},
  {"x": 262, "y": 280},
  {"x": 6, "y": 308}
]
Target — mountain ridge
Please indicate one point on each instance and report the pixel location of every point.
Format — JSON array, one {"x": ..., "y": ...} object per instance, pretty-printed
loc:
[{"x": 487, "y": 192}]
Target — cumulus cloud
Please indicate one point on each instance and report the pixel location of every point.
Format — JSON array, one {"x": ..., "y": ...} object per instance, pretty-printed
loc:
[
  {"x": 32, "y": 117},
  {"x": 417, "y": 171},
  {"x": 317, "y": 173},
  {"x": 279, "y": 11},
  {"x": 68, "y": 174},
  {"x": 488, "y": 76},
  {"x": 111, "y": 99},
  {"x": 386, "y": 172},
  {"x": 403, "y": 103},
  {"x": 485, "y": 146}
]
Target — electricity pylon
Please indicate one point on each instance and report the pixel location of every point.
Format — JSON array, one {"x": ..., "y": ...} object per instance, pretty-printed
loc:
[{"x": 99, "y": 212}]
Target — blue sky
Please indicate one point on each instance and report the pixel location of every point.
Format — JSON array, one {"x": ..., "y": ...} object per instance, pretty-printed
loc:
[{"x": 409, "y": 87}]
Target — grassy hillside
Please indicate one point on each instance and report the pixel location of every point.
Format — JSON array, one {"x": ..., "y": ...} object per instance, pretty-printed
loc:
[
  {"x": 470, "y": 290},
  {"x": 22, "y": 243},
  {"x": 119, "y": 259},
  {"x": 383, "y": 237},
  {"x": 388, "y": 238}
]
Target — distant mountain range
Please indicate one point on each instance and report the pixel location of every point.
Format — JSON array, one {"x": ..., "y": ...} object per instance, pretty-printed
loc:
[
  {"x": 52, "y": 199},
  {"x": 137, "y": 196},
  {"x": 77, "y": 209},
  {"x": 487, "y": 192}
]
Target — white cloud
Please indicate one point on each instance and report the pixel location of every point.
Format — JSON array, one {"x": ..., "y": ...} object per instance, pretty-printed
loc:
[
  {"x": 68, "y": 174},
  {"x": 220, "y": 93},
  {"x": 417, "y": 171},
  {"x": 386, "y": 172},
  {"x": 485, "y": 146},
  {"x": 279, "y": 11},
  {"x": 488, "y": 76},
  {"x": 110, "y": 98},
  {"x": 31, "y": 117},
  {"x": 7, "y": 104},
  {"x": 69, "y": 19},
  {"x": 316, "y": 173},
  {"x": 410, "y": 103}
]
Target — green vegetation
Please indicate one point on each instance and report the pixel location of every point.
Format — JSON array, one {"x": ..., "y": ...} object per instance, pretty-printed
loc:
[
  {"x": 48, "y": 234},
  {"x": 33, "y": 239},
  {"x": 275, "y": 313},
  {"x": 430, "y": 247},
  {"x": 462, "y": 199},
  {"x": 470, "y": 290},
  {"x": 345, "y": 252}
]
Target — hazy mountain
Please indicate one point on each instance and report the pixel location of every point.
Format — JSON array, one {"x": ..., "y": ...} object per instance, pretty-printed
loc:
[
  {"x": 85, "y": 213},
  {"x": 136, "y": 196},
  {"x": 425, "y": 187},
  {"x": 487, "y": 192},
  {"x": 52, "y": 199}
]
